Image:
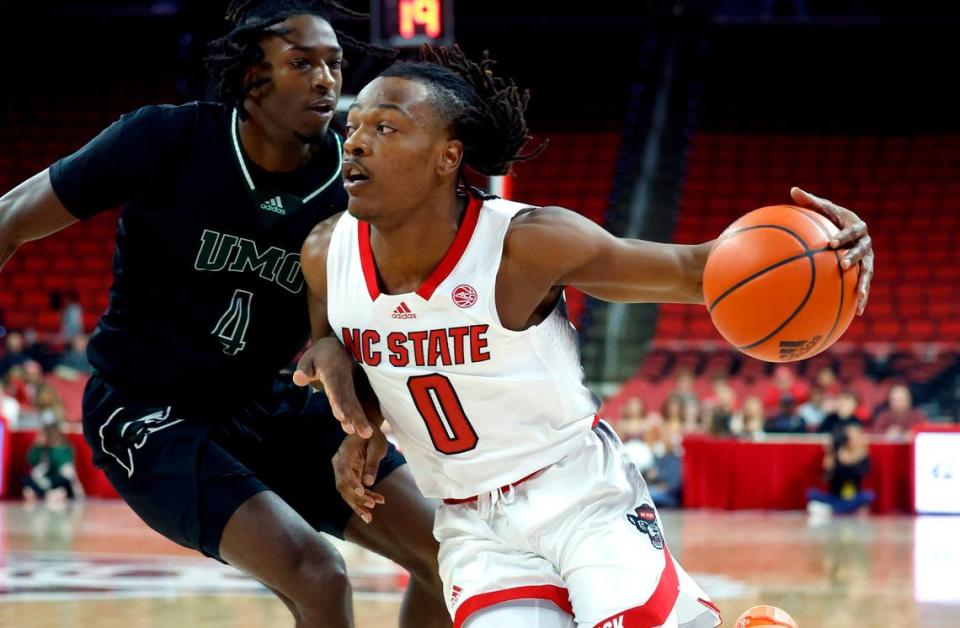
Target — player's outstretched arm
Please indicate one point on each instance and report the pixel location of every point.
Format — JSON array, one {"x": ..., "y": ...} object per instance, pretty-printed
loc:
[
  {"x": 553, "y": 246},
  {"x": 326, "y": 364},
  {"x": 28, "y": 212}
]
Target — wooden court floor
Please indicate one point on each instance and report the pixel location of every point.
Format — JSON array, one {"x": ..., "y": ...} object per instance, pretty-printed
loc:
[{"x": 95, "y": 565}]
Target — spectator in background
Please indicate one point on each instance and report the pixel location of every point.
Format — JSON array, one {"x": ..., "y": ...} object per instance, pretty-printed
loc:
[
  {"x": 52, "y": 476},
  {"x": 633, "y": 410},
  {"x": 827, "y": 381},
  {"x": 684, "y": 387},
  {"x": 722, "y": 408},
  {"x": 899, "y": 417},
  {"x": 719, "y": 387},
  {"x": 814, "y": 411},
  {"x": 631, "y": 428},
  {"x": 843, "y": 416},
  {"x": 15, "y": 354},
  {"x": 846, "y": 463},
  {"x": 49, "y": 405},
  {"x": 785, "y": 388},
  {"x": 785, "y": 420},
  {"x": 752, "y": 418},
  {"x": 32, "y": 376},
  {"x": 71, "y": 318},
  {"x": 75, "y": 358},
  {"x": 692, "y": 421},
  {"x": 15, "y": 386},
  {"x": 33, "y": 349},
  {"x": 642, "y": 440},
  {"x": 665, "y": 478},
  {"x": 672, "y": 411},
  {"x": 673, "y": 425},
  {"x": 9, "y": 406}
]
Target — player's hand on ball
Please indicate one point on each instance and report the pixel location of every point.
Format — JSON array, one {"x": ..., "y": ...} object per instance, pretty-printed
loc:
[
  {"x": 327, "y": 366},
  {"x": 355, "y": 468},
  {"x": 853, "y": 235}
]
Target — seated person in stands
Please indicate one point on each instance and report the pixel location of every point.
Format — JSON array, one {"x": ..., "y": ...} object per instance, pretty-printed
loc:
[
  {"x": 722, "y": 408},
  {"x": 785, "y": 386},
  {"x": 899, "y": 417},
  {"x": 633, "y": 412},
  {"x": 845, "y": 463},
  {"x": 816, "y": 409},
  {"x": 9, "y": 405},
  {"x": 673, "y": 414},
  {"x": 752, "y": 418},
  {"x": 71, "y": 317},
  {"x": 52, "y": 476},
  {"x": 665, "y": 477},
  {"x": 641, "y": 438},
  {"x": 684, "y": 388},
  {"x": 785, "y": 420},
  {"x": 75, "y": 358},
  {"x": 49, "y": 404},
  {"x": 14, "y": 354},
  {"x": 843, "y": 415}
]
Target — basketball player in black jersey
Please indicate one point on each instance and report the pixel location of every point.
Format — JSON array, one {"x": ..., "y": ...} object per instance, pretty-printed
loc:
[{"x": 187, "y": 412}]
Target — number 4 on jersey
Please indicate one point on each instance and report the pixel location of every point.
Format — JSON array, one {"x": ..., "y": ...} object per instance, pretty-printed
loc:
[{"x": 231, "y": 329}]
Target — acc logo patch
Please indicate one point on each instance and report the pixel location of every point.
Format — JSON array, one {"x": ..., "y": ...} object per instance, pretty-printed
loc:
[{"x": 464, "y": 295}]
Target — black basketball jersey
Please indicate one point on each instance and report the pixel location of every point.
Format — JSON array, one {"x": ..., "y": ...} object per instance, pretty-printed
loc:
[{"x": 207, "y": 288}]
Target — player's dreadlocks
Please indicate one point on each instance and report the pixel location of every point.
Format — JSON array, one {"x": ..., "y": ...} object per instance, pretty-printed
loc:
[
  {"x": 233, "y": 54},
  {"x": 486, "y": 111}
]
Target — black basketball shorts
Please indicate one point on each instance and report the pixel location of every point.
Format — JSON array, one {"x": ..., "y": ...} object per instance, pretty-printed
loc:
[{"x": 185, "y": 471}]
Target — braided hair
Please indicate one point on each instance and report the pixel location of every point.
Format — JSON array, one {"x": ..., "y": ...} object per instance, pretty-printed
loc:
[
  {"x": 485, "y": 111},
  {"x": 233, "y": 54}
]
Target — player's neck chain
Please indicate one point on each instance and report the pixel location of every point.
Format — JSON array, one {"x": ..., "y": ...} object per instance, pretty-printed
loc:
[{"x": 273, "y": 203}]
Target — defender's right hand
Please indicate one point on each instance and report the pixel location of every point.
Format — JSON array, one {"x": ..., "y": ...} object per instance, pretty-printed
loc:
[
  {"x": 327, "y": 366},
  {"x": 355, "y": 468}
]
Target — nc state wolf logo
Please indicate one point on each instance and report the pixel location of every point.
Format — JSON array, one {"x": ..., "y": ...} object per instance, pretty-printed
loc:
[
  {"x": 646, "y": 522},
  {"x": 119, "y": 439}
]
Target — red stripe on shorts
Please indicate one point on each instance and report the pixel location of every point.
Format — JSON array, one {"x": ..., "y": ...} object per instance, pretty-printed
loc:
[
  {"x": 658, "y": 606},
  {"x": 549, "y": 592}
]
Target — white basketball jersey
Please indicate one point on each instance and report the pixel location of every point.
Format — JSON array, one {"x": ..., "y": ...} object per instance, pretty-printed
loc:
[{"x": 474, "y": 406}]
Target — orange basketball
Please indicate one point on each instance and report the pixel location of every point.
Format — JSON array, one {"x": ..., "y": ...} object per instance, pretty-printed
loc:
[
  {"x": 774, "y": 287},
  {"x": 765, "y": 616}
]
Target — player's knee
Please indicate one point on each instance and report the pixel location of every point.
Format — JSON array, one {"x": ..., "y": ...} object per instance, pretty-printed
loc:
[
  {"x": 318, "y": 576},
  {"x": 324, "y": 570},
  {"x": 424, "y": 566},
  {"x": 429, "y": 580}
]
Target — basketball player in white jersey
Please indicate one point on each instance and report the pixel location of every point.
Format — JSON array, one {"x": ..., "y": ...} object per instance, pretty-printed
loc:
[{"x": 452, "y": 303}]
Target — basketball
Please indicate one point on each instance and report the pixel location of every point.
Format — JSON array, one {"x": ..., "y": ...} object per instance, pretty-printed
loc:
[
  {"x": 764, "y": 616},
  {"x": 775, "y": 289}
]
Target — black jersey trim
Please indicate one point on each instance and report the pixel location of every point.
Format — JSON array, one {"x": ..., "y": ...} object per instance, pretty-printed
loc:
[{"x": 246, "y": 172}]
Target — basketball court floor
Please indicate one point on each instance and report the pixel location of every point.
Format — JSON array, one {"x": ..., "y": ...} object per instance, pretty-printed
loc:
[{"x": 95, "y": 565}]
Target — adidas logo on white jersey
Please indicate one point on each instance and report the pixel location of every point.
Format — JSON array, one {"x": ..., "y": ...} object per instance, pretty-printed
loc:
[
  {"x": 274, "y": 205},
  {"x": 403, "y": 311}
]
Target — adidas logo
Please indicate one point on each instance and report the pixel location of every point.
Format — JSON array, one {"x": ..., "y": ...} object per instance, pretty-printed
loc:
[
  {"x": 274, "y": 205},
  {"x": 403, "y": 311}
]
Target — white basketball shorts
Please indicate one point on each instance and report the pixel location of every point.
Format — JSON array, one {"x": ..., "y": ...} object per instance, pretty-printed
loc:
[{"x": 583, "y": 534}]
